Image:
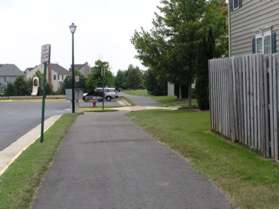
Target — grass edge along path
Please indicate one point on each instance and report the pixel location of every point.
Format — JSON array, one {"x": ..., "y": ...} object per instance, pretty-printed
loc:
[
  {"x": 166, "y": 101},
  {"x": 20, "y": 182},
  {"x": 249, "y": 180}
]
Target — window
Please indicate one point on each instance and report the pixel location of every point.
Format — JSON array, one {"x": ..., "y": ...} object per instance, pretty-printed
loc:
[
  {"x": 263, "y": 43},
  {"x": 54, "y": 77},
  {"x": 259, "y": 45},
  {"x": 235, "y": 4}
]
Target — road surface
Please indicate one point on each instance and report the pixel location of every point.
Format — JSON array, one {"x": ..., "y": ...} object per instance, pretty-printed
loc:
[
  {"x": 106, "y": 162},
  {"x": 19, "y": 117}
]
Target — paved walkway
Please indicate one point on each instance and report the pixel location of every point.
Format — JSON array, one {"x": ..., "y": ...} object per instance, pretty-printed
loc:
[{"x": 106, "y": 162}]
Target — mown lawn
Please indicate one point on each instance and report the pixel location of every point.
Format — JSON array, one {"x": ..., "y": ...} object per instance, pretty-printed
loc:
[
  {"x": 20, "y": 182},
  {"x": 164, "y": 100},
  {"x": 173, "y": 101},
  {"x": 249, "y": 180},
  {"x": 137, "y": 92}
]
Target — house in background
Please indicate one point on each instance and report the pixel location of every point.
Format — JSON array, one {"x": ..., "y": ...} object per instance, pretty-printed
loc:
[
  {"x": 8, "y": 74},
  {"x": 55, "y": 76},
  {"x": 84, "y": 69},
  {"x": 254, "y": 25}
]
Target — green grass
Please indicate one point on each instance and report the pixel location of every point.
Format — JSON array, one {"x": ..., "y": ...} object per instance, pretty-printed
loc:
[
  {"x": 173, "y": 101},
  {"x": 166, "y": 101},
  {"x": 20, "y": 182},
  {"x": 137, "y": 92},
  {"x": 249, "y": 180}
]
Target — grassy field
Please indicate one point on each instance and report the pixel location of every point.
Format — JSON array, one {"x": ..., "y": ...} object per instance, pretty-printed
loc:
[
  {"x": 164, "y": 100},
  {"x": 249, "y": 180},
  {"x": 137, "y": 92},
  {"x": 173, "y": 101},
  {"x": 20, "y": 182}
]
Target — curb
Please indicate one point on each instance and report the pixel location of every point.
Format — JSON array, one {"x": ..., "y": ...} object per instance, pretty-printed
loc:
[{"x": 13, "y": 151}]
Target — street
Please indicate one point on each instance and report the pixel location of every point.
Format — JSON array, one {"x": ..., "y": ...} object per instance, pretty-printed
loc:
[{"x": 19, "y": 117}]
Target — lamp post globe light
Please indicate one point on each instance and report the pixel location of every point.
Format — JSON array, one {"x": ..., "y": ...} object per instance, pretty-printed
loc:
[{"x": 73, "y": 28}]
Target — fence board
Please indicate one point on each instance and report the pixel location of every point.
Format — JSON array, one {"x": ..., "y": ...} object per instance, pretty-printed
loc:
[{"x": 244, "y": 101}]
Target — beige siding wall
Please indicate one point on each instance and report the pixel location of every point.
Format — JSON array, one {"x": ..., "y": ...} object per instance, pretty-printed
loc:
[{"x": 253, "y": 16}]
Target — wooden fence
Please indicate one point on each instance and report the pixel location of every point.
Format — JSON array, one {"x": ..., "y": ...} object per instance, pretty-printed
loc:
[{"x": 244, "y": 95}]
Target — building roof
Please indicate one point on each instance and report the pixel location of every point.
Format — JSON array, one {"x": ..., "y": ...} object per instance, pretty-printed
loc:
[
  {"x": 10, "y": 70},
  {"x": 59, "y": 69},
  {"x": 79, "y": 66}
]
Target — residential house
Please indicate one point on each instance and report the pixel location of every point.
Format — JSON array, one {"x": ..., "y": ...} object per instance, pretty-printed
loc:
[
  {"x": 254, "y": 25},
  {"x": 8, "y": 74},
  {"x": 84, "y": 69},
  {"x": 55, "y": 76}
]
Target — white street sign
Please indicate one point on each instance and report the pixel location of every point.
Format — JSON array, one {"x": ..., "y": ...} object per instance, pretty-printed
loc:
[{"x": 45, "y": 57}]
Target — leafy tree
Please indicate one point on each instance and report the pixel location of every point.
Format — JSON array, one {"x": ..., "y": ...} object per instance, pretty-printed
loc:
[
  {"x": 215, "y": 19},
  {"x": 120, "y": 80},
  {"x": 171, "y": 47},
  {"x": 206, "y": 52},
  {"x": 67, "y": 84},
  {"x": 21, "y": 86},
  {"x": 10, "y": 90},
  {"x": 95, "y": 78},
  {"x": 155, "y": 86},
  {"x": 134, "y": 78}
]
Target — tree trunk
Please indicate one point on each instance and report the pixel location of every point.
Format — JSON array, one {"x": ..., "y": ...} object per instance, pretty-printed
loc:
[
  {"x": 180, "y": 92},
  {"x": 190, "y": 94}
]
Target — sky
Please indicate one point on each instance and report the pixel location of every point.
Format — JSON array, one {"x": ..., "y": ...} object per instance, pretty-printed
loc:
[{"x": 104, "y": 30}]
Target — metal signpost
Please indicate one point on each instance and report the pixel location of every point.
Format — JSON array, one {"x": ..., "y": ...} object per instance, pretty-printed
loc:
[
  {"x": 45, "y": 59},
  {"x": 103, "y": 77}
]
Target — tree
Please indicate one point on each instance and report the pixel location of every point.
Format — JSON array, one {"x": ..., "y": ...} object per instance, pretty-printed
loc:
[
  {"x": 214, "y": 44},
  {"x": 171, "y": 46},
  {"x": 21, "y": 86},
  {"x": 120, "y": 80},
  {"x": 67, "y": 84},
  {"x": 134, "y": 78},
  {"x": 154, "y": 86},
  {"x": 206, "y": 52},
  {"x": 10, "y": 90},
  {"x": 95, "y": 78},
  {"x": 215, "y": 19}
]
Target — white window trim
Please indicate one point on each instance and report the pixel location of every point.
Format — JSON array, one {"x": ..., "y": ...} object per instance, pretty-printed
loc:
[{"x": 263, "y": 35}]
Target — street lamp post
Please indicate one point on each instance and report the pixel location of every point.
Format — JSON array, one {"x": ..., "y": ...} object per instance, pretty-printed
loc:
[{"x": 73, "y": 28}]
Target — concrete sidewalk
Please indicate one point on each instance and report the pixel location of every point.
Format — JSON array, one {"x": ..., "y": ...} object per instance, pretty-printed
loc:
[{"x": 106, "y": 162}]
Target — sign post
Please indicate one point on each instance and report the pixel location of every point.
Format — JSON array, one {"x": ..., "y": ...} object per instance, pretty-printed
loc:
[
  {"x": 103, "y": 78},
  {"x": 45, "y": 59}
]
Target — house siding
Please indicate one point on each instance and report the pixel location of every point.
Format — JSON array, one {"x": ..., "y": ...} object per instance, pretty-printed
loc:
[{"x": 253, "y": 16}]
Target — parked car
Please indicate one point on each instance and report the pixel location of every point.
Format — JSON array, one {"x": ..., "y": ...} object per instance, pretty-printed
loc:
[{"x": 110, "y": 93}]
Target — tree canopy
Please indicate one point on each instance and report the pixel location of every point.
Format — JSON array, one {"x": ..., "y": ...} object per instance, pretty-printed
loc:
[
  {"x": 95, "y": 78},
  {"x": 171, "y": 48},
  {"x": 132, "y": 78}
]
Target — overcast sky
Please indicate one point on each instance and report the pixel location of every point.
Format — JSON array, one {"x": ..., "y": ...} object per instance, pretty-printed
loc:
[{"x": 104, "y": 30}]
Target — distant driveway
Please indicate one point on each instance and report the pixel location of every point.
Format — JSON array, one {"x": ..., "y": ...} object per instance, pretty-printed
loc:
[
  {"x": 141, "y": 100},
  {"x": 18, "y": 117}
]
